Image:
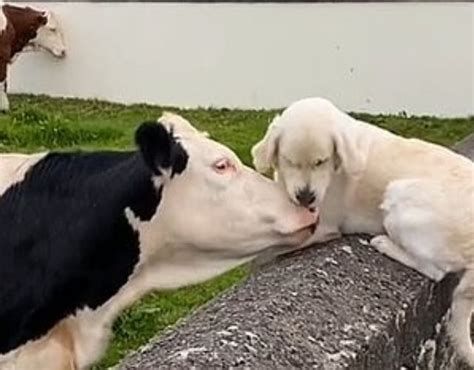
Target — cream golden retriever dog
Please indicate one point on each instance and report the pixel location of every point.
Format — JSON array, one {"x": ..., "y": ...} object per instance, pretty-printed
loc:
[{"x": 417, "y": 198}]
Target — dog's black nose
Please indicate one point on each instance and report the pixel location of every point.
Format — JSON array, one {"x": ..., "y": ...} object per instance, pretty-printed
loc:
[{"x": 305, "y": 197}]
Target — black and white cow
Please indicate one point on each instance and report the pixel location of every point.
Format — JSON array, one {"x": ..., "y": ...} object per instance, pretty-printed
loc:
[{"x": 84, "y": 235}]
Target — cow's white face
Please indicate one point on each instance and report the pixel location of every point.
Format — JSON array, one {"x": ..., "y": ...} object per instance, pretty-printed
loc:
[
  {"x": 218, "y": 209},
  {"x": 220, "y": 206},
  {"x": 50, "y": 37}
]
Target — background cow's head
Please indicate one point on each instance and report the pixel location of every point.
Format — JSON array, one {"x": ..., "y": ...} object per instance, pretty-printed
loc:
[
  {"x": 49, "y": 36},
  {"x": 213, "y": 208}
]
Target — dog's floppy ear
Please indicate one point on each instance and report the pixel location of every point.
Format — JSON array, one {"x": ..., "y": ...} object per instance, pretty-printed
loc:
[
  {"x": 160, "y": 150},
  {"x": 265, "y": 151},
  {"x": 349, "y": 155}
]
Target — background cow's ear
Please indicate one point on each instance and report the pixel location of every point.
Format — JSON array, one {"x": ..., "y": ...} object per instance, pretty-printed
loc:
[{"x": 160, "y": 150}]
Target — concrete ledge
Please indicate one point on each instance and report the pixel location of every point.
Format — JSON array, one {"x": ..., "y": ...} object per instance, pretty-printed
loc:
[{"x": 339, "y": 306}]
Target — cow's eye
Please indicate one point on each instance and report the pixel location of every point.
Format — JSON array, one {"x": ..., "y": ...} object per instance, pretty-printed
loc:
[{"x": 223, "y": 165}]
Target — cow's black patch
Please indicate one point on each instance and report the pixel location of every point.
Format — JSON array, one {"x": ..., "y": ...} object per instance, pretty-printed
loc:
[
  {"x": 158, "y": 151},
  {"x": 65, "y": 242}
]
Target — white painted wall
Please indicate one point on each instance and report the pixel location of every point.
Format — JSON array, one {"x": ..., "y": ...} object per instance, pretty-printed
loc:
[{"x": 366, "y": 57}]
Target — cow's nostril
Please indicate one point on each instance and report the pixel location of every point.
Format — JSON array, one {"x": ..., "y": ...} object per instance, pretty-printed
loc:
[{"x": 305, "y": 197}]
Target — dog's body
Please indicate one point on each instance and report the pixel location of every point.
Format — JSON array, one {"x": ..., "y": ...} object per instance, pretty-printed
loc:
[{"x": 416, "y": 196}]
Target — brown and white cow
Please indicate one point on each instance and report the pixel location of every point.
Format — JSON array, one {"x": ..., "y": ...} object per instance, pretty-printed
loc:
[{"x": 26, "y": 29}]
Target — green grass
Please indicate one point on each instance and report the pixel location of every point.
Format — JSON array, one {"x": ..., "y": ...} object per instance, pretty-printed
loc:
[
  {"x": 159, "y": 310},
  {"x": 37, "y": 123}
]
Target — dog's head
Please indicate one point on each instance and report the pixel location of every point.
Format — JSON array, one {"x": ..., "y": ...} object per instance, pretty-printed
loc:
[{"x": 307, "y": 145}]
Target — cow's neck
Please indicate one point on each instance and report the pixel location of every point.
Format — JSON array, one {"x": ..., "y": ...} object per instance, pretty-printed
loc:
[
  {"x": 163, "y": 271},
  {"x": 25, "y": 22}
]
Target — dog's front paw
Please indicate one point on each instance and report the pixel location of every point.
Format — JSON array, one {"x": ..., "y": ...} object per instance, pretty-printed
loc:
[
  {"x": 387, "y": 247},
  {"x": 382, "y": 243},
  {"x": 320, "y": 237}
]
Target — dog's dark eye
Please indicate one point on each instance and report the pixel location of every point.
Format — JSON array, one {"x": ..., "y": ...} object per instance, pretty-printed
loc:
[{"x": 318, "y": 163}]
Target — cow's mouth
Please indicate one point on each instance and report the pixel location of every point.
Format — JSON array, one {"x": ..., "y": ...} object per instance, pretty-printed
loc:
[
  {"x": 310, "y": 227},
  {"x": 314, "y": 226},
  {"x": 298, "y": 238},
  {"x": 57, "y": 53}
]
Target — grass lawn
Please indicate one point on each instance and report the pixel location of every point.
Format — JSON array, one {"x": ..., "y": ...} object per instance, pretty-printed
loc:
[{"x": 38, "y": 123}]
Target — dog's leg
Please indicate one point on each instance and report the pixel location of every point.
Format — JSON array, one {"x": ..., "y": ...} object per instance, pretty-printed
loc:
[
  {"x": 418, "y": 220},
  {"x": 459, "y": 327},
  {"x": 323, "y": 234},
  {"x": 386, "y": 246}
]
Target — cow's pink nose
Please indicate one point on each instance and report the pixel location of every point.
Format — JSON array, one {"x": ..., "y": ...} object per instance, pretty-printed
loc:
[
  {"x": 301, "y": 220},
  {"x": 309, "y": 217}
]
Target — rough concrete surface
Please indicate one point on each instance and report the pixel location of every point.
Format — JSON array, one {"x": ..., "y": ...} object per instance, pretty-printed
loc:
[{"x": 340, "y": 306}]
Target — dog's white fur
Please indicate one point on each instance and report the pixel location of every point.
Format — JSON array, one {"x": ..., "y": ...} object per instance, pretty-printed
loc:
[{"x": 416, "y": 196}]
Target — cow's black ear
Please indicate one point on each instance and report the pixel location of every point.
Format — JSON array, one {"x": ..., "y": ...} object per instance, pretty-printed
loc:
[{"x": 159, "y": 148}]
